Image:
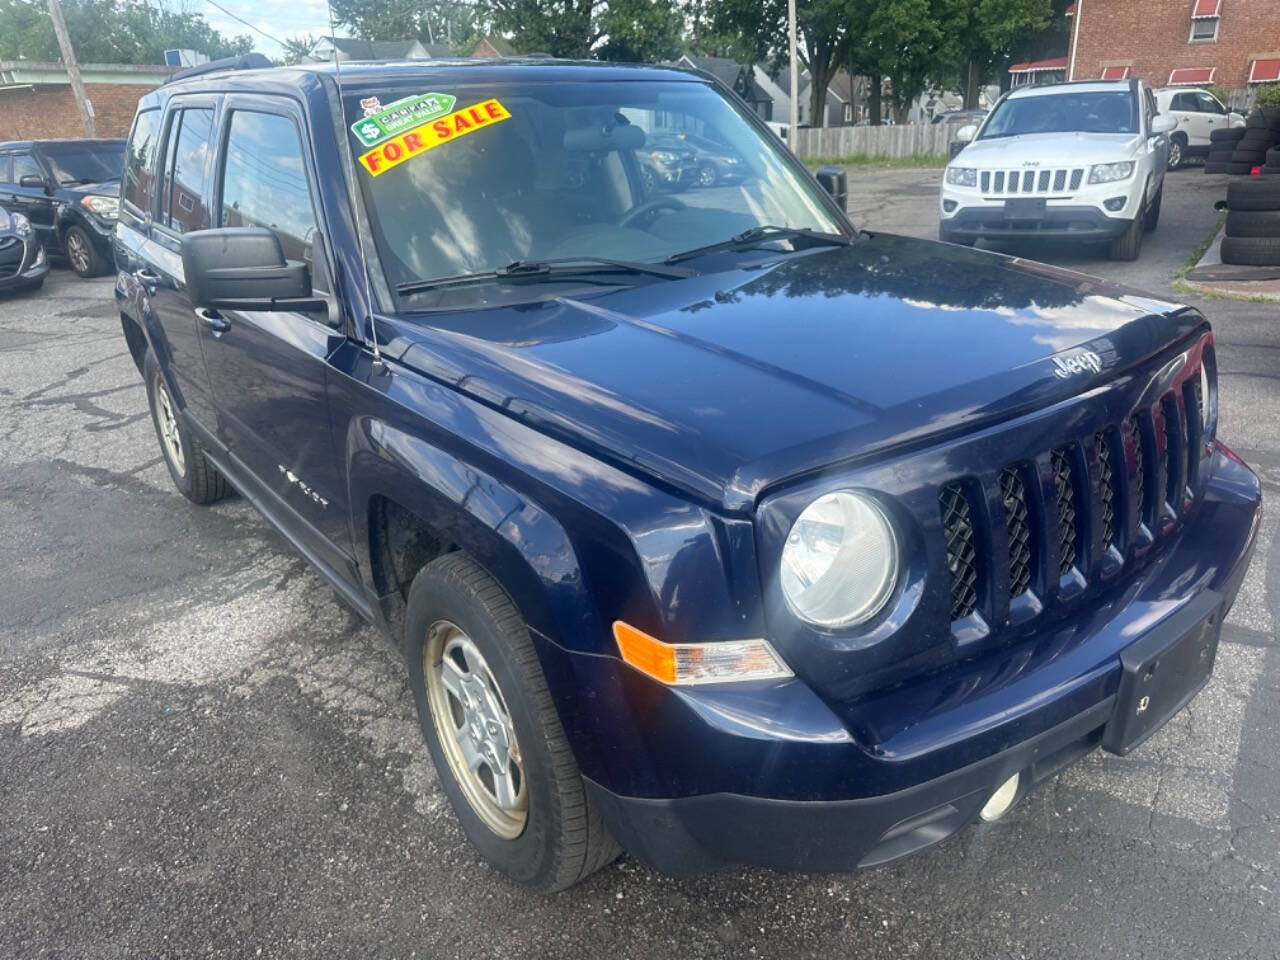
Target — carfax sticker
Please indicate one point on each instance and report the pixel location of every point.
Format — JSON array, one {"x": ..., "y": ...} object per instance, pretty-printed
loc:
[
  {"x": 428, "y": 136},
  {"x": 380, "y": 123}
]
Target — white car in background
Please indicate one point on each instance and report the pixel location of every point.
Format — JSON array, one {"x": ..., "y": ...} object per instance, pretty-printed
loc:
[
  {"x": 1069, "y": 161},
  {"x": 1197, "y": 113}
]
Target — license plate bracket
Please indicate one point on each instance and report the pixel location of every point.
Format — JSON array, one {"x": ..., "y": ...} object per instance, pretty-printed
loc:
[
  {"x": 1163, "y": 671},
  {"x": 1024, "y": 208}
]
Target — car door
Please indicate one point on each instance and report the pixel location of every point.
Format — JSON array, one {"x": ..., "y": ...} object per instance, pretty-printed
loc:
[
  {"x": 32, "y": 200},
  {"x": 180, "y": 205},
  {"x": 1214, "y": 114},
  {"x": 269, "y": 368}
]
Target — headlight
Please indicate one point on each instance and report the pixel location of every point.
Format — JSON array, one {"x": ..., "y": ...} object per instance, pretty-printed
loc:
[
  {"x": 840, "y": 561},
  {"x": 20, "y": 224},
  {"x": 962, "y": 176},
  {"x": 1110, "y": 172},
  {"x": 106, "y": 207},
  {"x": 664, "y": 157}
]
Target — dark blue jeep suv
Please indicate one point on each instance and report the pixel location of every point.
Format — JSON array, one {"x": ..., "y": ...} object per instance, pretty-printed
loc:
[{"x": 712, "y": 528}]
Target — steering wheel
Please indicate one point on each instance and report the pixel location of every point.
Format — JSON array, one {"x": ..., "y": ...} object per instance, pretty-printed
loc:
[{"x": 642, "y": 210}]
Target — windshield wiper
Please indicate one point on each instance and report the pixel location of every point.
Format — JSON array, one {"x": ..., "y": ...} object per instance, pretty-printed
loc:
[
  {"x": 536, "y": 271},
  {"x": 762, "y": 234}
]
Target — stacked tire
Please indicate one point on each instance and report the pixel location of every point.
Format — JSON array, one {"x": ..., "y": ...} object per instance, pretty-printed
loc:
[
  {"x": 1249, "y": 145},
  {"x": 1253, "y": 222}
]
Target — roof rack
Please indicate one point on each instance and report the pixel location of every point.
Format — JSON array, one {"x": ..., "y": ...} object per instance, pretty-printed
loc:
[{"x": 247, "y": 61}]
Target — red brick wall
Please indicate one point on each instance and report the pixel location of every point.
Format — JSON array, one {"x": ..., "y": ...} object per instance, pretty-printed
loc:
[
  {"x": 1150, "y": 36},
  {"x": 50, "y": 111}
]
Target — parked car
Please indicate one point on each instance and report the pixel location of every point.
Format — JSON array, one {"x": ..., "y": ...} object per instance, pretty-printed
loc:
[
  {"x": 717, "y": 162},
  {"x": 960, "y": 117},
  {"x": 1196, "y": 114},
  {"x": 715, "y": 532},
  {"x": 22, "y": 259},
  {"x": 667, "y": 163},
  {"x": 68, "y": 190},
  {"x": 1072, "y": 161}
]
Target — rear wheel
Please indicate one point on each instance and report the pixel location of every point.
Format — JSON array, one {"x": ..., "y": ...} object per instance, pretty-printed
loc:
[{"x": 493, "y": 730}]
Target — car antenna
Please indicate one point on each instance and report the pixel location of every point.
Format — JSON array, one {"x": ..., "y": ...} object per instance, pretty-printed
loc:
[{"x": 378, "y": 365}]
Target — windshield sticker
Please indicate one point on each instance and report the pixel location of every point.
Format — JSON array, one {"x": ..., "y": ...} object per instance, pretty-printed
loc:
[
  {"x": 381, "y": 123},
  {"x": 428, "y": 136}
]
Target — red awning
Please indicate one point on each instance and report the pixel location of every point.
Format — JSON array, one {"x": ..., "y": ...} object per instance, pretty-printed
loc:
[
  {"x": 1265, "y": 71},
  {"x": 1115, "y": 73},
  {"x": 1036, "y": 66},
  {"x": 1192, "y": 76},
  {"x": 1206, "y": 8}
]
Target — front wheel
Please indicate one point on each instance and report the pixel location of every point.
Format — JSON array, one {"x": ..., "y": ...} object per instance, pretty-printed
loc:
[
  {"x": 707, "y": 175},
  {"x": 81, "y": 253},
  {"x": 1128, "y": 245},
  {"x": 1152, "y": 218},
  {"x": 1175, "y": 153},
  {"x": 493, "y": 730},
  {"x": 195, "y": 477}
]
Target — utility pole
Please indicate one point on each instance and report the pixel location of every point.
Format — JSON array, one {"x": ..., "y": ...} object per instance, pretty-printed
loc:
[
  {"x": 795, "y": 74},
  {"x": 73, "y": 69}
]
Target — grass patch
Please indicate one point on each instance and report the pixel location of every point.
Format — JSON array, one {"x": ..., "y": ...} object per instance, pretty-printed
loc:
[
  {"x": 867, "y": 160},
  {"x": 1201, "y": 247}
]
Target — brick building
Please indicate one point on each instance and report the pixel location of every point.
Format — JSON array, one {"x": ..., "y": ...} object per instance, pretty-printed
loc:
[
  {"x": 1228, "y": 43},
  {"x": 36, "y": 100}
]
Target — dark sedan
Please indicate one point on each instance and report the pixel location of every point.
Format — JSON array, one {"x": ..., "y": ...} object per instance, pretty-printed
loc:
[{"x": 22, "y": 261}]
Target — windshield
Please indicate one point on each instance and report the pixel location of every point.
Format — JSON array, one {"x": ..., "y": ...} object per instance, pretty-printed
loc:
[
  {"x": 85, "y": 163},
  {"x": 469, "y": 178},
  {"x": 1108, "y": 111}
]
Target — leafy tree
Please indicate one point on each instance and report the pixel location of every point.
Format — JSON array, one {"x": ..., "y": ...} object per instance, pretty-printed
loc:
[
  {"x": 609, "y": 29},
  {"x": 110, "y": 31},
  {"x": 896, "y": 41},
  {"x": 430, "y": 21},
  {"x": 295, "y": 48},
  {"x": 981, "y": 35}
]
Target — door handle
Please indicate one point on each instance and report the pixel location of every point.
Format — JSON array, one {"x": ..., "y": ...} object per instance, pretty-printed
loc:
[
  {"x": 214, "y": 321},
  {"x": 148, "y": 279}
]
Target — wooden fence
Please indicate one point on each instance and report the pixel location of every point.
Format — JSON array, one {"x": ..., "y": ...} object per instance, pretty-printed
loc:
[{"x": 898, "y": 141}]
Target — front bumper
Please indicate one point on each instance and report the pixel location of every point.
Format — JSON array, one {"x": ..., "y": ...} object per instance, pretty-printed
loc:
[
  {"x": 32, "y": 269},
  {"x": 771, "y": 776},
  {"x": 1064, "y": 222}
]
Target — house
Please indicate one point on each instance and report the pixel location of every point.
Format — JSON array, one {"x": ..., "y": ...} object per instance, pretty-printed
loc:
[
  {"x": 845, "y": 94},
  {"x": 1228, "y": 43},
  {"x": 1053, "y": 70},
  {"x": 738, "y": 77},
  {"x": 36, "y": 101},
  {"x": 349, "y": 48},
  {"x": 493, "y": 46}
]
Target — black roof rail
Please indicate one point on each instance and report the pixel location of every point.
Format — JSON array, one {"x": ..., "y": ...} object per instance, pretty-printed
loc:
[{"x": 247, "y": 61}]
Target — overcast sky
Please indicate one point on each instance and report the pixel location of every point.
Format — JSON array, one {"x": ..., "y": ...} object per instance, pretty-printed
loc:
[{"x": 281, "y": 19}]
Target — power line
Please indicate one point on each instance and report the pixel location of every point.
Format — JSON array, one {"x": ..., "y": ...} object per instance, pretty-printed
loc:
[{"x": 247, "y": 24}]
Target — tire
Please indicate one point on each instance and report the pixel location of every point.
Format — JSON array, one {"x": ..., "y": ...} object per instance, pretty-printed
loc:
[
  {"x": 649, "y": 180},
  {"x": 1152, "y": 217},
  {"x": 1253, "y": 194},
  {"x": 1273, "y": 157},
  {"x": 1253, "y": 223},
  {"x": 1257, "y": 139},
  {"x": 1176, "y": 146},
  {"x": 1215, "y": 167},
  {"x": 707, "y": 175},
  {"x": 1226, "y": 134},
  {"x": 454, "y": 605},
  {"x": 946, "y": 236},
  {"x": 195, "y": 477},
  {"x": 1251, "y": 157},
  {"x": 1251, "y": 251},
  {"x": 1239, "y": 169},
  {"x": 1128, "y": 245},
  {"x": 1270, "y": 170},
  {"x": 81, "y": 253},
  {"x": 1220, "y": 156}
]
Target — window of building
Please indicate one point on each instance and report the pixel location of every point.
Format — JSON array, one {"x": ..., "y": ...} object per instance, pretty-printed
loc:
[
  {"x": 139, "y": 159},
  {"x": 184, "y": 205},
  {"x": 848, "y": 113},
  {"x": 264, "y": 184},
  {"x": 1204, "y": 30}
]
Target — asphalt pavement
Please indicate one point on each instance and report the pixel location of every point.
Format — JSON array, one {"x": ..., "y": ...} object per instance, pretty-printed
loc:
[{"x": 203, "y": 753}]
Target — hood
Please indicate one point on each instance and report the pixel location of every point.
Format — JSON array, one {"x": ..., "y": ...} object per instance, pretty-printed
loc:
[
  {"x": 107, "y": 188},
  {"x": 726, "y": 384},
  {"x": 1049, "y": 150}
]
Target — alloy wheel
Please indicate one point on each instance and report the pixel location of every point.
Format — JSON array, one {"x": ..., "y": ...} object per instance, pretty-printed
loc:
[
  {"x": 1175, "y": 155},
  {"x": 167, "y": 420},
  {"x": 475, "y": 729},
  {"x": 77, "y": 252}
]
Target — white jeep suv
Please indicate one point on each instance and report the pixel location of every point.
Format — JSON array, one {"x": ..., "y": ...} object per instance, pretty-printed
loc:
[
  {"x": 1074, "y": 161},
  {"x": 1196, "y": 114}
]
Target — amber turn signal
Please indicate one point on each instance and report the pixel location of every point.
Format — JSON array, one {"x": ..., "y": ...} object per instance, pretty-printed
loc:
[{"x": 684, "y": 664}]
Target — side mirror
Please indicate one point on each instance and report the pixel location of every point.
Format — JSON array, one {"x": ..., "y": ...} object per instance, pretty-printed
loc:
[
  {"x": 836, "y": 182},
  {"x": 33, "y": 180},
  {"x": 243, "y": 268},
  {"x": 966, "y": 133},
  {"x": 1162, "y": 123}
]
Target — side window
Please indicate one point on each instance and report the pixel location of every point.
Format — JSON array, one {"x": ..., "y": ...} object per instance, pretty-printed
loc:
[
  {"x": 139, "y": 160},
  {"x": 184, "y": 204},
  {"x": 1210, "y": 104},
  {"x": 264, "y": 184},
  {"x": 1182, "y": 101},
  {"x": 25, "y": 165},
  {"x": 6, "y": 169}
]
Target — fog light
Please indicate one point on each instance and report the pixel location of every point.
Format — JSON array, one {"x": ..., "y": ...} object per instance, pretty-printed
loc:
[
  {"x": 949, "y": 206},
  {"x": 1114, "y": 204},
  {"x": 1001, "y": 800}
]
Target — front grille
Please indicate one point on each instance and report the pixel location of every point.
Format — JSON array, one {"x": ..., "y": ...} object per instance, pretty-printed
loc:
[
  {"x": 1017, "y": 522},
  {"x": 1029, "y": 181},
  {"x": 1107, "y": 489},
  {"x": 11, "y": 250},
  {"x": 1060, "y": 500},
  {"x": 1065, "y": 501},
  {"x": 962, "y": 553}
]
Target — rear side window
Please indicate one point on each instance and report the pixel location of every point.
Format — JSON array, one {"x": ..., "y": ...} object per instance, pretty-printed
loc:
[
  {"x": 25, "y": 165},
  {"x": 264, "y": 182},
  {"x": 1183, "y": 101},
  {"x": 140, "y": 160},
  {"x": 184, "y": 204}
]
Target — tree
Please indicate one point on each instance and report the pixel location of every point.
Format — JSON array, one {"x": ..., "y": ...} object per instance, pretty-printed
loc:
[
  {"x": 453, "y": 22},
  {"x": 981, "y": 35},
  {"x": 608, "y": 29},
  {"x": 110, "y": 31},
  {"x": 295, "y": 48},
  {"x": 899, "y": 41}
]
